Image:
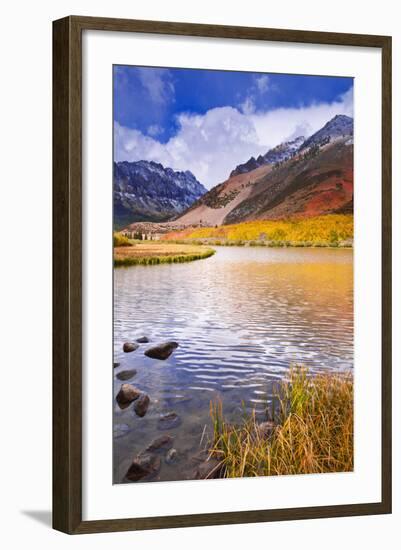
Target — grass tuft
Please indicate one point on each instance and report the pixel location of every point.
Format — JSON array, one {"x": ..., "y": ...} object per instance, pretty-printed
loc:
[
  {"x": 121, "y": 240},
  {"x": 159, "y": 253},
  {"x": 311, "y": 431},
  {"x": 118, "y": 262}
]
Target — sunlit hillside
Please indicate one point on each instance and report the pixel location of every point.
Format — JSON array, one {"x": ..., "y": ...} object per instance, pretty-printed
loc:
[{"x": 330, "y": 229}]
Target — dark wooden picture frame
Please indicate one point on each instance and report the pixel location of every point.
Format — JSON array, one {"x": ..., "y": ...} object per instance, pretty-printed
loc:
[{"x": 67, "y": 274}]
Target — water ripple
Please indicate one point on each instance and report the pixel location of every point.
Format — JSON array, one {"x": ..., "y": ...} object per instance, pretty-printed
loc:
[{"x": 241, "y": 318}]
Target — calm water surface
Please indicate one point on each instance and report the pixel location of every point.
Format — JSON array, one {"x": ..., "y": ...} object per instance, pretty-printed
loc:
[{"x": 241, "y": 318}]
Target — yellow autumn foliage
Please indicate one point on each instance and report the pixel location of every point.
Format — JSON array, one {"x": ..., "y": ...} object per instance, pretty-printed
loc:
[{"x": 329, "y": 229}]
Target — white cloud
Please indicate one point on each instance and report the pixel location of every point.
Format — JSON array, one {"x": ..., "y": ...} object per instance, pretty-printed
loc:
[
  {"x": 261, "y": 86},
  {"x": 248, "y": 106},
  {"x": 262, "y": 83},
  {"x": 211, "y": 145},
  {"x": 348, "y": 101},
  {"x": 282, "y": 124},
  {"x": 158, "y": 84},
  {"x": 301, "y": 129},
  {"x": 154, "y": 130}
]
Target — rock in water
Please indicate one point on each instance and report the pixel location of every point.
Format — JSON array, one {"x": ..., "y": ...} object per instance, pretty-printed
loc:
[
  {"x": 126, "y": 395},
  {"x": 130, "y": 346},
  {"x": 143, "y": 466},
  {"x": 115, "y": 365},
  {"x": 209, "y": 469},
  {"x": 161, "y": 444},
  {"x": 142, "y": 340},
  {"x": 169, "y": 421},
  {"x": 171, "y": 456},
  {"x": 142, "y": 404},
  {"x": 161, "y": 351},
  {"x": 120, "y": 430},
  {"x": 200, "y": 456},
  {"x": 126, "y": 374}
]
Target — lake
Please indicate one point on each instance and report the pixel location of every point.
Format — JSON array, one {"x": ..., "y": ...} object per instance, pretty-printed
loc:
[{"x": 241, "y": 318}]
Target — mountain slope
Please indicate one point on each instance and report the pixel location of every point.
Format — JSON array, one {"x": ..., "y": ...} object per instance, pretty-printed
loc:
[
  {"x": 339, "y": 126},
  {"x": 317, "y": 182},
  {"x": 312, "y": 180},
  {"x": 280, "y": 153},
  {"x": 213, "y": 207},
  {"x": 146, "y": 191}
]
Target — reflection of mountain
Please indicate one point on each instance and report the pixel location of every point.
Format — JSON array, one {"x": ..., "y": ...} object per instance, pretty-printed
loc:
[
  {"x": 146, "y": 191},
  {"x": 305, "y": 178}
]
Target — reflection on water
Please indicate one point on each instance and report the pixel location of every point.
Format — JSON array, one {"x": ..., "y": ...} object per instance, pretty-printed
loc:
[{"x": 241, "y": 318}]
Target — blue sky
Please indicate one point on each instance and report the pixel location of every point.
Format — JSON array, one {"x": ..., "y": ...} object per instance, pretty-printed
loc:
[{"x": 193, "y": 119}]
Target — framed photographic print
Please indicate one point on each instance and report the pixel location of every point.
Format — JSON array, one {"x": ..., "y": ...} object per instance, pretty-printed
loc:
[{"x": 222, "y": 274}]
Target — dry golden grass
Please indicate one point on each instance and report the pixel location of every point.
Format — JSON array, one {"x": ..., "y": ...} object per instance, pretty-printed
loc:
[
  {"x": 158, "y": 253},
  {"x": 329, "y": 230},
  {"x": 121, "y": 240},
  {"x": 312, "y": 430}
]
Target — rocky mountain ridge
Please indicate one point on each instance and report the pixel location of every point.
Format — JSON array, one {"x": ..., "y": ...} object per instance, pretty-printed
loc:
[
  {"x": 339, "y": 126},
  {"x": 280, "y": 153},
  {"x": 147, "y": 191},
  {"x": 303, "y": 178}
]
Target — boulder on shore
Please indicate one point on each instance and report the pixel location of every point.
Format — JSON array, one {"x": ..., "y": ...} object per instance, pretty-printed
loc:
[
  {"x": 130, "y": 346},
  {"x": 144, "y": 466},
  {"x": 142, "y": 340},
  {"x": 141, "y": 404},
  {"x": 161, "y": 351},
  {"x": 160, "y": 444},
  {"x": 126, "y": 395},
  {"x": 126, "y": 374}
]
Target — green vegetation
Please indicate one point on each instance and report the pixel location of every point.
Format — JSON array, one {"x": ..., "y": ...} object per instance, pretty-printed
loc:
[
  {"x": 311, "y": 430},
  {"x": 121, "y": 240},
  {"x": 153, "y": 253},
  {"x": 118, "y": 262},
  {"x": 330, "y": 230}
]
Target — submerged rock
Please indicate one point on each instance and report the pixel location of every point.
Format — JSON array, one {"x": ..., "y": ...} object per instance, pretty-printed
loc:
[
  {"x": 126, "y": 374},
  {"x": 120, "y": 430},
  {"x": 208, "y": 469},
  {"x": 207, "y": 466},
  {"x": 171, "y": 456},
  {"x": 144, "y": 466},
  {"x": 176, "y": 400},
  {"x": 142, "y": 340},
  {"x": 141, "y": 404},
  {"x": 130, "y": 346},
  {"x": 200, "y": 456},
  {"x": 126, "y": 395},
  {"x": 161, "y": 444},
  {"x": 161, "y": 351},
  {"x": 168, "y": 421}
]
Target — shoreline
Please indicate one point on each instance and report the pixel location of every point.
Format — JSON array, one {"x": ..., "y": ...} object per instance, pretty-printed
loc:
[
  {"x": 309, "y": 429},
  {"x": 125, "y": 256},
  {"x": 157, "y": 253},
  {"x": 267, "y": 244}
]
